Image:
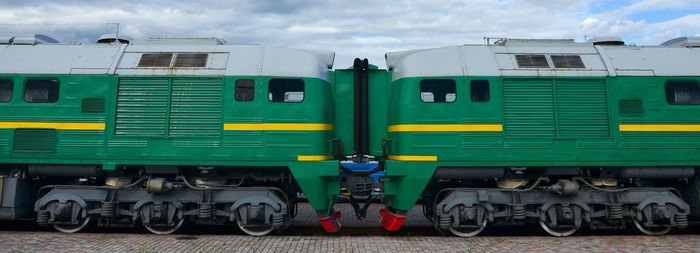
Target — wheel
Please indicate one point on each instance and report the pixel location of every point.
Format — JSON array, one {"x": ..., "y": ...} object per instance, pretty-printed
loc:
[
  {"x": 558, "y": 231},
  {"x": 252, "y": 229},
  {"x": 469, "y": 231},
  {"x": 72, "y": 228},
  {"x": 171, "y": 214},
  {"x": 161, "y": 229},
  {"x": 651, "y": 230}
]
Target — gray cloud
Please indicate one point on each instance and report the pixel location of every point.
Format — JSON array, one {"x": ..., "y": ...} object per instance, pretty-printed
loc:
[{"x": 350, "y": 28}]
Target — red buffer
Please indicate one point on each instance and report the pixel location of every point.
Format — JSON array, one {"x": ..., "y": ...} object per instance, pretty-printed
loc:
[
  {"x": 391, "y": 221},
  {"x": 331, "y": 223}
]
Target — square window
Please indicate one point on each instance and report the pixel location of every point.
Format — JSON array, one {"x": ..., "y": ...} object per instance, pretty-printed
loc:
[
  {"x": 480, "y": 91},
  {"x": 682, "y": 93},
  {"x": 41, "y": 91},
  {"x": 6, "y": 87},
  {"x": 438, "y": 90},
  {"x": 245, "y": 90},
  {"x": 290, "y": 90}
]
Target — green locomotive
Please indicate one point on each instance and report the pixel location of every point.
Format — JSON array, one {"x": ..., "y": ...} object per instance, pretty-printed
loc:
[
  {"x": 163, "y": 131},
  {"x": 168, "y": 131},
  {"x": 554, "y": 132}
]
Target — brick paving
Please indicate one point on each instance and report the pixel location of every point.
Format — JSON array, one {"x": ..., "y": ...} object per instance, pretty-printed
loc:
[{"x": 356, "y": 236}]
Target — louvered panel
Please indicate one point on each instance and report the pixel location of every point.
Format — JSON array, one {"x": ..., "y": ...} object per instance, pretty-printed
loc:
[
  {"x": 528, "y": 107},
  {"x": 142, "y": 107},
  {"x": 35, "y": 140},
  {"x": 582, "y": 108},
  {"x": 195, "y": 107}
]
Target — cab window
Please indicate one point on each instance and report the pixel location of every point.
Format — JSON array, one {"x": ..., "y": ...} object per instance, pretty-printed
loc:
[
  {"x": 245, "y": 90},
  {"x": 41, "y": 91},
  {"x": 288, "y": 90},
  {"x": 438, "y": 90},
  {"x": 682, "y": 93},
  {"x": 480, "y": 91},
  {"x": 6, "y": 87}
]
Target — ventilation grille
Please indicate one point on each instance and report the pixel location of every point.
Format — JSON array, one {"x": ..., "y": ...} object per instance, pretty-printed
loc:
[
  {"x": 93, "y": 105},
  {"x": 190, "y": 60},
  {"x": 582, "y": 108},
  {"x": 35, "y": 140},
  {"x": 532, "y": 61},
  {"x": 567, "y": 61},
  {"x": 155, "y": 60},
  {"x": 528, "y": 107},
  {"x": 565, "y": 108},
  {"x": 142, "y": 106},
  {"x": 631, "y": 107},
  {"x": 195, "y": 107}
]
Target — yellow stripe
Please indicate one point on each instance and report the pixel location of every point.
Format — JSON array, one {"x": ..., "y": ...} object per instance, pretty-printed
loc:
[
  {"x": 412, "y": 158},
  {"x": 446, "y": 128},
  {"x": 56, "y": 125},
  {"x": 275, "y": 126},
  {"x": 314, "y": 157},
  {"x": 660, "y": 128}
]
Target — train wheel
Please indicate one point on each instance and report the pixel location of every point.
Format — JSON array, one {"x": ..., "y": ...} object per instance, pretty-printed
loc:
[
  {"x": 558, "y": 231},
  {"x": 469, "y": 231},
  {"x": 72, "y": 228},
  {"x": 662, "y": 230},
  {"x": 254, "y": 229},
  {"x": 161, "y": 229}
]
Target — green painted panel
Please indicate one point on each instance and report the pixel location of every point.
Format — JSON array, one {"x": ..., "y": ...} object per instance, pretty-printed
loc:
[
  {"x": 142, "y": 106},
  {"x": 582, "y": 108},
  {"x": 35, "y": 140},
  {"x": 528, "y": 107},
  {"x": 195, "y": 107}
]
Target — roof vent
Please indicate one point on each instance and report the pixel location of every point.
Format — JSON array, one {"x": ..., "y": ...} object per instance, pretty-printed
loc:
[
  {"x": 26, "y": 39},
  {"x": 184, "y": 41},
  {"x": 607, "y": 41},
  {"x": 111, "y": 38},
  {"x": 683, "y": 42}
]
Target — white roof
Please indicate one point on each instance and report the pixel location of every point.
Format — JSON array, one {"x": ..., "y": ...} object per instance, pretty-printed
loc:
[
  {"x": 123, "y": 59},
  {"x": 673, "y": 59}
]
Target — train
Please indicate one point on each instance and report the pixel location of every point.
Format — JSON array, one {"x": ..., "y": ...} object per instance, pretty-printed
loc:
[{"x": 161, "y": 132}]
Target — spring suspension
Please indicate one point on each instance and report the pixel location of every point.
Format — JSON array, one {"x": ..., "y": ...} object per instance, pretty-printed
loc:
[
  {"x": 681, "y": 220},
  {"x": 518, "y": 212},
  {"x": 42, "y": 217},
  {"x": 278, "y": 219},
  {"x": 206, "y": 210},
  {"x": 107, "y": 209},
  {"x": 615, "y": 212},
  {"x": 445, "y": 221}
]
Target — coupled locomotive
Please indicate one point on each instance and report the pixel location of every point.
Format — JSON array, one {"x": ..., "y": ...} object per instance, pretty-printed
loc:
[{"x": 167, "y": 131}]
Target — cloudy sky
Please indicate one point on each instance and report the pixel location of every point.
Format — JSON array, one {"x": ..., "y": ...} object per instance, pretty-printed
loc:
[{"x": 359, "y": 28}]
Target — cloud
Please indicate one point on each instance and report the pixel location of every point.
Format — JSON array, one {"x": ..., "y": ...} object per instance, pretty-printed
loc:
[{"x": 361, "y": 28}]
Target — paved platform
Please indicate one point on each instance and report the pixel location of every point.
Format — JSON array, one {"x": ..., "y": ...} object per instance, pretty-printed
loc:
[{"x": 305, "y": 235}]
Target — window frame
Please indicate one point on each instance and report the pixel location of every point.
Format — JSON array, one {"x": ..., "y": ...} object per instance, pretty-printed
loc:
[
  {"x": 235, "y": 90},
  {"x": 420, "y": 89},
  {"x": 697, "y": 90},
  {"x": 488, "y": 90},
  {"x": 58, "y": 89},
  {"x": 303, "y": 89},
  {"x": 12, "y": 90}
]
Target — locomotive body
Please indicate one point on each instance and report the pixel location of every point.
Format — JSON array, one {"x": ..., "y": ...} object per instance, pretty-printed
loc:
[
  {"x": 169, "y": 131},
  {"x": 202, "y": 124},
  {"x": 505, "y": 128}
]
